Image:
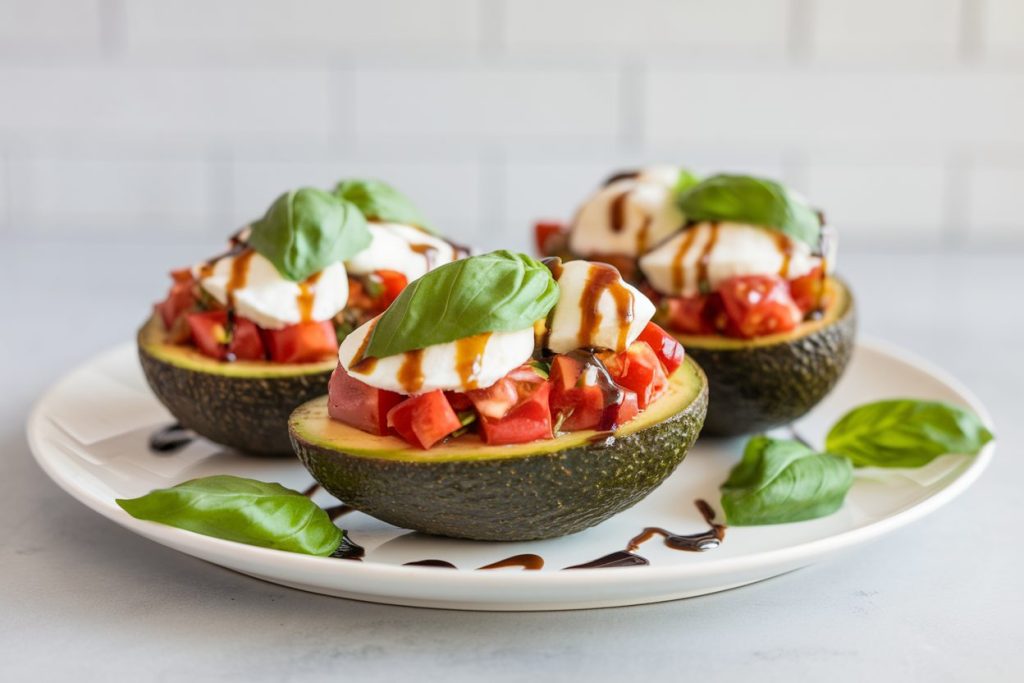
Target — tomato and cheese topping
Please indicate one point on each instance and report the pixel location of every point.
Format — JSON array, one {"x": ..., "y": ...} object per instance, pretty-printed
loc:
[
  {"x": 704, "y": 255},
  {"x": 404, "y": 249},
  {"x": 462, "y": 365},
  {"x": 733, "y": 255},
  {"x": 596, "y": 309},
  {"x": 313, "y": 268},
  {"x": 594, "y": 362},
  {"x": 251, "y": 284},
  {"x": 628, "y": 215}
]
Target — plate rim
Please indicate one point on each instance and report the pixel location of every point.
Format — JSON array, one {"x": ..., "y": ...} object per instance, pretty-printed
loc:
[{"x": 797, "y": 555}]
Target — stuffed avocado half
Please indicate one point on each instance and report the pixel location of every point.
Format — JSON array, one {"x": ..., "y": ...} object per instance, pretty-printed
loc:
[
  {"x": 499, "y": 398},
  {"x": 246, "y": 336},
  {"x": 741, "y": 269}
]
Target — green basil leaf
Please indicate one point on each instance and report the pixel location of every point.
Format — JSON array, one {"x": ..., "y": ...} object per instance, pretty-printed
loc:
[
  {"x": 780, "y": 481},
  {"x": 381, "y": 202},
  {"x": 687, "y": 179},
  {"x": 756, "y": 201},
  {"x": 242, "y": 510},
  {"x": 497, "y": 292},
  {"x": 306, "y": 230},
  {"x": 906, "y": 433}
]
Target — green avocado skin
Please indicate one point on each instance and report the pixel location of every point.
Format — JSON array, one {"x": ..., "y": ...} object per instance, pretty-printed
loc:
[
  {"x": 509, "y": 499},
  {"x": 760, "y": 388},
  {"x": 247, "y": 414}
]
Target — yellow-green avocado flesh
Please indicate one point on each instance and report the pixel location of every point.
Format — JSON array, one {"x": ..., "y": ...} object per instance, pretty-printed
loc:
[
  {"x": 467, "y": 489},
  {"x": 762, "y": 383},
  {"x": 243, "y": 404}
]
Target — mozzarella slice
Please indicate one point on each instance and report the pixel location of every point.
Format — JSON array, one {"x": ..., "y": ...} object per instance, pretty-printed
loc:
[
  {"x": 727, "y": 250},
  {"x": 628, "y": 216},
  {"x": 270, "y": 300},
  {"x": 402, "y": 248},
  {"x": 439, "y": 365},
  {"x": 585, "y": 295}
]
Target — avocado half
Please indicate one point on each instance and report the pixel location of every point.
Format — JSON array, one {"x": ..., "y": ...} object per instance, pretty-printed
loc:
[
  {"x": 244, "y": 404},
  {"x": 519, "y": 492},
  {"x": 759, "y": 384}
]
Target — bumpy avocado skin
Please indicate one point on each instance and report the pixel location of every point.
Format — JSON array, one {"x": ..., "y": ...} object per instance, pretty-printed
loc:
[
  {"x": 760, "y": 388},
  {"x": 248, "y": 414},
  {"x": 509, "y": 499}
]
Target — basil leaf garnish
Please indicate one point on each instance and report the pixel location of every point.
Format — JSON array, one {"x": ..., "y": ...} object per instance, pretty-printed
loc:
[
  {"x": 306, "y": 230},
  {"x": 756, "y": 201},
  {"x": 497, "y": 292},
  {"x": 242, "y": 510},
  {"x": 780, "y": 481},
  {"x": 381, "y": 202},
  {"x": 906, "y": 433},
  {"x": 687, "y": 179}
]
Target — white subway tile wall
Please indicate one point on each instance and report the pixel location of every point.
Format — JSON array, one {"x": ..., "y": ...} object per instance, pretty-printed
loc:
[{"x": 159, "y": 121}]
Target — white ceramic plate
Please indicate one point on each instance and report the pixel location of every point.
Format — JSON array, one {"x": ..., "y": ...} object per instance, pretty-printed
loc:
[{"x": 90, "y": 434}]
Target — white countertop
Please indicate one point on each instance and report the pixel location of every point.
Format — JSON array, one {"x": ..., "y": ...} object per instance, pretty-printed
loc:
[{"x": 82, "y": 598}]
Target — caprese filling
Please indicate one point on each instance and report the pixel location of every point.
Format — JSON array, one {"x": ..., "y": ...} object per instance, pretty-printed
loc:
[
  {"x": 699, "y": 250},
  {"x": 594, "y": 362},
  {"x": 249, "y": 304}
]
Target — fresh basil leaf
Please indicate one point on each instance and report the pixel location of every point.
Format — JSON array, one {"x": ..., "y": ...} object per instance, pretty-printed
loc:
[
  {"x": 687, "y": 179},
  {"x": 780, "y": 481},
  {"x": 906, "y": 433},
  {"x": 381, "y": 202},
  {"x": 756, "y": 201},
  {"x": 242, "y": 510},
  {"x": 306, "y": 230},
  {"x": 497, "y": 292}
]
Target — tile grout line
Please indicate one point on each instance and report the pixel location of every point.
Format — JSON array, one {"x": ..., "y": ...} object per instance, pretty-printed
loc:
[
  {"x": 954, "y": 229},
  {"x": 970, "y": 42},
  {"x": 490, "y": 24},
  {"x": 111, "y": 28},
  {"x": 799, "y": 45},
  {"x": 632, "y": 104}
]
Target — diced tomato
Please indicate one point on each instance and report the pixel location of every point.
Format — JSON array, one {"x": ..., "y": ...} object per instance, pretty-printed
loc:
[
  {"x": 668, "y": 349},
  {"x": 528, "y": 421},
  {"x": 496, "y": 400},
  {"x": 564, "y": 372},
  {"x": 543, "y": 232},
  {"x": 393, "y": 282},
  {"x": 424, "y": 420},
  {"x": 583, "y": 406},
  {"x": 686, "y": 314},
  {"x": 639, "y": 370},
  {"x": 358, "y": 298},
  {"x": 627, "y": 409},
  {"x": 302, "y": 343},
  {"x": 806, "y": 291},
  {"x": 458, "y": 400},
  {"x": 210, "y": 332},
  {"x": 180, "y": 299},
  {"x": 759, "y": 305},
  {"x": 358, "y": 404},
  {"x": 525, "y": 373}
]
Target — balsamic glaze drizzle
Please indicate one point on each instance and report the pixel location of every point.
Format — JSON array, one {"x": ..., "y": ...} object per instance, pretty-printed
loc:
[
  {"x": 170, "y": 439},
  {"x": 349, "y": 549},
  {"x": 620, "y": 558},
  {"x": 440, "y": 564},
  {"x": 706, "y": 540}
]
